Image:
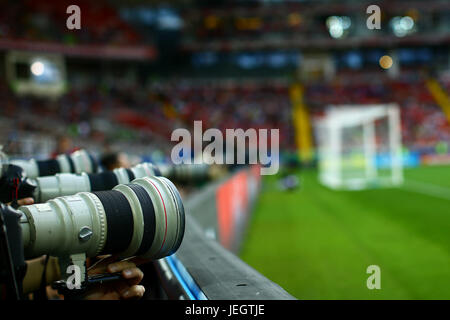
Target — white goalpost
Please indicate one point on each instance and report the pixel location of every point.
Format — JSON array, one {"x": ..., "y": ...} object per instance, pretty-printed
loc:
[{"x": 359, "y": 146}]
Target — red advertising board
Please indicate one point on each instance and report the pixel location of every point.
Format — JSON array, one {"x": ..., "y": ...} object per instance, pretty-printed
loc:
[{"x": 234, "y": 200}]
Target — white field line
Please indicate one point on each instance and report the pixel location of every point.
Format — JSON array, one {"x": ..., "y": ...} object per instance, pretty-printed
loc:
[{"x": 427, "y": 189}]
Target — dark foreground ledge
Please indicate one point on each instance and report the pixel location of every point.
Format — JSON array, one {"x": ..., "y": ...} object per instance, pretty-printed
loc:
[{"x": 220, "y": 274}]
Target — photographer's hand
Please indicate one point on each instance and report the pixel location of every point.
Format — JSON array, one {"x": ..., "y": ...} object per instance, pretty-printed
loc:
[
  {"x": 126, "y": 288},
  {"x": 25, "y": 201}
]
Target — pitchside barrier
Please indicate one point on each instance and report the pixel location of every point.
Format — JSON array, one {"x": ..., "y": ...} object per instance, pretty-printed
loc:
[
  {"x": 222, "y": 209},
  {"x": 216, "y": 220}
]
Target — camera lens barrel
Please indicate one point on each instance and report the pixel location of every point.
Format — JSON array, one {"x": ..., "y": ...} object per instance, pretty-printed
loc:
[
  {"x": 64, "y": 184},
  {"x": 102, "y": 181},
  {"x": 77, "y": 162},
  {"x": 189, "y": 172},
  {"x": 48, "y": 167},
  {"x": 144, "y": 218}
]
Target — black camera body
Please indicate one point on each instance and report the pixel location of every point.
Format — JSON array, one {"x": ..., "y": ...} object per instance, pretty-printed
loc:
[
  {"x": 12, "y": 260},
  {"x": 15, "y": 185}
]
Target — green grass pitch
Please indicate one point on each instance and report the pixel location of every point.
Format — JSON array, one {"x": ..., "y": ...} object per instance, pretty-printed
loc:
[{"x": 317, "y": 243}]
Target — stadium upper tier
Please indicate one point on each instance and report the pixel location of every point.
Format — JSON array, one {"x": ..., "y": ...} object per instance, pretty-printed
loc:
[
  {"x": 45, "y": 20},
  {"x": 225, "y": 26},
  {"x": 229, "y": 25}
]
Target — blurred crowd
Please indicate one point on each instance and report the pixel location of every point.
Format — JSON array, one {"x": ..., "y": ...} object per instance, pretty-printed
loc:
[
  {"x": 148, "y": 114},
  {"x": 95, "y": 113},
  {"x": 258, "y": 105}
]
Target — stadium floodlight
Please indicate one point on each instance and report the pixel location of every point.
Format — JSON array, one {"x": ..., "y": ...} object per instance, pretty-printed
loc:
[{"x": 359, "y": 146}]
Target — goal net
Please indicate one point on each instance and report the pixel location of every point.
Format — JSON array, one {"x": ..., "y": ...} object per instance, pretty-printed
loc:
[{"x": 359, "y": 146}]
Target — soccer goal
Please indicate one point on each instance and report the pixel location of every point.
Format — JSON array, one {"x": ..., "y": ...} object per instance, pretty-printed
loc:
[{"x": 359, "y": 146}]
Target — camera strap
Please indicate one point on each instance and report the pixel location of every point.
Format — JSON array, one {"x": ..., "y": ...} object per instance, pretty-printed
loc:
[{"x": 41, "y": 294}]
